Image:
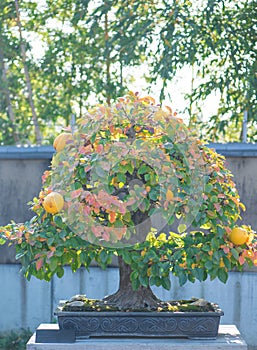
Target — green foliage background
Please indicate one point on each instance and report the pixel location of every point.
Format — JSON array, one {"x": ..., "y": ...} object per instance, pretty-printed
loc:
[{"x": 88, "y": 49}]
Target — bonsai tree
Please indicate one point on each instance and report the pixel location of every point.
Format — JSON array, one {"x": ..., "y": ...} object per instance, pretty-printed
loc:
[{"x": 110, "y": 182}]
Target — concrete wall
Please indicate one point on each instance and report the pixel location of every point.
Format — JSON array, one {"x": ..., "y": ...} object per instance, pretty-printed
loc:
[
  {"x": 20, "y": 181},
  {"x": 244, "y": 170},
  {"x": 27, "y": 304}
]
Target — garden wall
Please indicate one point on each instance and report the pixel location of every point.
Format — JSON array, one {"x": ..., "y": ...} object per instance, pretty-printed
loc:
[{"x": 27, "y": 304}]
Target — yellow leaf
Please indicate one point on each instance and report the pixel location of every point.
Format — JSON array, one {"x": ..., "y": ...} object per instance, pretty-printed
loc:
[{"x": 169, "y": 195}]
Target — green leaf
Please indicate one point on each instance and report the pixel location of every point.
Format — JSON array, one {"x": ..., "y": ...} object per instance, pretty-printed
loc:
[
  {"x": 58, "y": 221},
  {"x": 152, "y": 255},
  {"x": 155, "y": 281},
  {"x": 122, "y": 177},
  {"x": 208, "y": 265},
  {"x": 100, "y": 171},
  {"x": 182, "y": 278},
  {"x": 199, "y": 274},
  {"x": 235, "y": 253},
  {"x": 227, "y": 262},
  {"x": 134, "y": 275},
  {"x": 126, "y": 257},
  {"x": 66, "y": 258},
  {"x": 20, "y": 255},
  {"x": 166, "y": 283},
  {"x": 214, "y": 199},
  {"x": 182, "y": 228},
  {"x": 171, "y": 220},
  {"x": 215, "y": 244},
  {"x": 153, "y": 194},
  {"x": 155, "y": 270},
  {"x": 2, "y": 241},
  {"x": 60, "y": 271},
  {"x": 53, "y": 263},
  {"x": 144, "y": 280},
  {"x": 191, "y": 278},
  {"x": 62, "y": 234},
  {"x": 222, "y": 275},
  {"x": 143, "y": 169},
  {"x": 129, "y": 168},
  {"x": 103, "y": 256},
  {"x": 208, "y": 188},
  {"x": 135, "y": 284}
]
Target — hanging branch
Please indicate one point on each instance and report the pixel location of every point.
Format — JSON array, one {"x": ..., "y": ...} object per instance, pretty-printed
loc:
[
  {"x": 27, "y": 77},
  {"x": 7, "y": 97}
]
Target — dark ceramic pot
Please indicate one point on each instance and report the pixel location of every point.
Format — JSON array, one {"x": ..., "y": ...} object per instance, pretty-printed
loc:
[{"x": 193, "y": 325}]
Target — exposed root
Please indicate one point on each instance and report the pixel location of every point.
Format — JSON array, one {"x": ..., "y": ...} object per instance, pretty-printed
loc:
[{"x": 141, "y": 299}]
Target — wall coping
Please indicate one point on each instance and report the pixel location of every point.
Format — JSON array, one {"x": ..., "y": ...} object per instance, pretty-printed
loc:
[
  {"x": 26, "y": 152},
  {"x": 235, "y": 149},
  {"x": 46, "y": 152}
]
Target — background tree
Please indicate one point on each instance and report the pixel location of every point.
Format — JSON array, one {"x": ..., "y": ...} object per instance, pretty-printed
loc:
[
  {"x": 218, "y": 39},
  {"x": 79, "y": 51},
  {"x": 8, "y": 45},
  {"x": 27, "y": 77}
]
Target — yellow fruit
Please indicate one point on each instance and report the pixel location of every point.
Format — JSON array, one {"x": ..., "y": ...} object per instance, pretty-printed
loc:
[
  {"x": 53, "y": 202},
  {"x": 61, "y": 141},
  {"x": 238, "y": 236}
]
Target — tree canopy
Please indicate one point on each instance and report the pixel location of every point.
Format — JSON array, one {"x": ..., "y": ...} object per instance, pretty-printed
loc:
[{"x": 125, "y": 164}]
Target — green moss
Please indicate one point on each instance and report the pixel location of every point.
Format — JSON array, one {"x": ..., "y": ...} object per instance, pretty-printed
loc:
[{"x": 163, "y": 306}]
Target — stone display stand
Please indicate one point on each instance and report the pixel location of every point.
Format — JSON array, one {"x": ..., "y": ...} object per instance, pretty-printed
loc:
[{"x": 228, "y": 338}]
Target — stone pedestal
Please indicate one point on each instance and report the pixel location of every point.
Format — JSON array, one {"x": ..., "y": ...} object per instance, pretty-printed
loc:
[{"x": 228, "y": 338}]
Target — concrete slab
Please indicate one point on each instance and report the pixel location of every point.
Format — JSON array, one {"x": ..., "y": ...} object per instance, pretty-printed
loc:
[{"x": 228, "y": 338}]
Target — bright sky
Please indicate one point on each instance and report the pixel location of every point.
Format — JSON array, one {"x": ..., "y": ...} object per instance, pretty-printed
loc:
[{"x": 176, "y": 91}]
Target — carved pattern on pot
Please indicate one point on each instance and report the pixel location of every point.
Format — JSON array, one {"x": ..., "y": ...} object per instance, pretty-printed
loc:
[{"x": 102, "y": 324}]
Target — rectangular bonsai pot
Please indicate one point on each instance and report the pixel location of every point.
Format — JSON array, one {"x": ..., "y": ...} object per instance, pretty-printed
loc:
[{"x": 192, "y": 325}]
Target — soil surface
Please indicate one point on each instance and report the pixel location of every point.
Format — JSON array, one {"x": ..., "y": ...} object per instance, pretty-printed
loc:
[{"x": 82, "y": 303}]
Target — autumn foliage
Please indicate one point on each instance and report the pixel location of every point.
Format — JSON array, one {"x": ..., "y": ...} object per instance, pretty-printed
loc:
[{"x": 125, "y": 166}]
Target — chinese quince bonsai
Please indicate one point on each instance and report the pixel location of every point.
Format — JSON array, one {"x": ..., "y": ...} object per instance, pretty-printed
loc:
[{"x": 124, "y": 166}]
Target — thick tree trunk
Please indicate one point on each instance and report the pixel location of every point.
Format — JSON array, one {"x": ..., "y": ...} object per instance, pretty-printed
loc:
[{"x": 128, "y": 299}]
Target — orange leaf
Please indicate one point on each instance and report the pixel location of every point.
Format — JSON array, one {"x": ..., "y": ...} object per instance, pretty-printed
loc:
[
  {"x": 39, "y": 264},
  {"x": 226, "y": 250},
  {"x": 227, "y": 229},
  {"x": 169, "y": 195},
  {"x": 112, "y": 217},
  {"x": 41, "y": 239},
  {"x": 112, "y": 129},
  {"x": 217, "y": 206},
  {"x": 148, "y": 188},
  {"x": 119, "y": 232},
  {"x": 76, "y": 193},
  {"x": 99, "y": 148},
  {"x": 85, "y": 150},
  {"x": 241, "y": 260},
  {"x": 97, "y": 231},
  {"x": 106, "y": 236}
]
